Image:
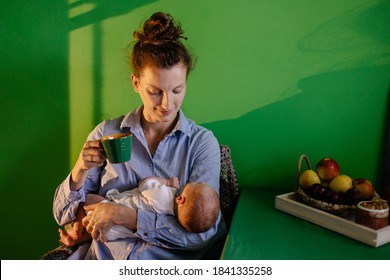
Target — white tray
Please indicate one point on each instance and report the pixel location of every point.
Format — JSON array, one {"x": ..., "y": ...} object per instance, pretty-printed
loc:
[{"x": 289, "y": 203}]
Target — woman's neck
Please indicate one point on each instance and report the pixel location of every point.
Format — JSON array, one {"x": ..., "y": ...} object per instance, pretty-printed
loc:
[
  {"x": 157, "y": 129},
  {"x": 155, "y": 132}
]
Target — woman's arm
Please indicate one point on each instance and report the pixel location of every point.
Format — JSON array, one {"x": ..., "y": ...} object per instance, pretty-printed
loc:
[
  {"x": 70, "y": 193},
  {"x": 165, "y": 231},
  {"x": 86, "y": 172},
  {"x": 91, "y": 156}
]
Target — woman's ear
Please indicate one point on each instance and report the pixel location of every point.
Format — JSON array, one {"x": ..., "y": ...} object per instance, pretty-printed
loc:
[
  {"x": 135, "y": 82},
  {"x": 180, "y": 199}
]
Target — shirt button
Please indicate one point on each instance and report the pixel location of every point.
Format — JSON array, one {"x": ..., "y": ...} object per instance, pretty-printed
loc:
[{"x": 145, "y": 234}]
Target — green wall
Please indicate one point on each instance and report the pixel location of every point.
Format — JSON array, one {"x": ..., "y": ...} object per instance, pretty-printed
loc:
[{"x": 273, "y": 80}]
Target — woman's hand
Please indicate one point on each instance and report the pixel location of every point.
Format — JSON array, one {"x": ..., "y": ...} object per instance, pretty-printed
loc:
[
  {"x": 104, "y": 215},
  {"x": 91, "y": 155}
]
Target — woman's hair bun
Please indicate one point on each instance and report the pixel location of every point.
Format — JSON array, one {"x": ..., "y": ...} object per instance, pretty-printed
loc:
[
  {"x": 158, "y": 29},
  {"x": 158, "y": 43}
]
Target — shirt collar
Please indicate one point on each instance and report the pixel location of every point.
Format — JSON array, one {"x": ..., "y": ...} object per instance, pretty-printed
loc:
[{"x": 132, "y": 121}]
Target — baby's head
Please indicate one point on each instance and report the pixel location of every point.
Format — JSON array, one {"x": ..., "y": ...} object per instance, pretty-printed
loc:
[{"x": 197, "y": 207}]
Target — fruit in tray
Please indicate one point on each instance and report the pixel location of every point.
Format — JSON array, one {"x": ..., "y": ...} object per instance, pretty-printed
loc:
[
  {"x": 328, "y": 185},
  {"x": 308, "y": 178},
  {"x": 318, "y": 191},
  {"x": 334, "y": 197},
  {"x": 327, "y": 168},
  {"x": 365, "y": 188},
  {"x": 340, "y": 183},
  {"x": 352, "y": 196}
]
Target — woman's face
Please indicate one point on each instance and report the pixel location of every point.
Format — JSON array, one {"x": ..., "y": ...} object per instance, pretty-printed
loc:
[{"x": 162, "y": 92}]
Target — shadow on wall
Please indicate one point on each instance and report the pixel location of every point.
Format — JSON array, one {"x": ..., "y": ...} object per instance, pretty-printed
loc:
[
  {"x": 35, "y": 102},
  {"x": 99, "y": 10},
  {"x": 94, "y": 13},
  {"x": 356, "y": 31},
  {"x": 336, "y": 114}
]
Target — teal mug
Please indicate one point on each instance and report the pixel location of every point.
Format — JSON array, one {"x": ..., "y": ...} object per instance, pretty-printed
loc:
[{"x": 117, "y": 147}]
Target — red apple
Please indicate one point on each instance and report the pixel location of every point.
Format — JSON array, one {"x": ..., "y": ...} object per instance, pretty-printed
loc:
[
  {"x": 327, "y": 168},
  {"x": 364, "y": 187}
]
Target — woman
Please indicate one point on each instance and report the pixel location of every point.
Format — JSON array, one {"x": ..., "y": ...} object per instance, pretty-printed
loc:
[{"x": 165, "y": 144}]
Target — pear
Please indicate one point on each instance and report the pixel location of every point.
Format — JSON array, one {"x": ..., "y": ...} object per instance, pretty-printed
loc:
[{"x": 308, "y": 178}]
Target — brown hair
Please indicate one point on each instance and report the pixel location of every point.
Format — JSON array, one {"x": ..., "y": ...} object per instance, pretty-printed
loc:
[
  {"x": 158, "y": 43},
  {"x": 201, "y": 210}
]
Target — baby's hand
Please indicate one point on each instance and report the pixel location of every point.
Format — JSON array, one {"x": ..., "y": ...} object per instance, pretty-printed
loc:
[
  {"x": 75, "y": 233},
  {"x": 173, "y": 182},
  {"x": 68, "y": 240}
]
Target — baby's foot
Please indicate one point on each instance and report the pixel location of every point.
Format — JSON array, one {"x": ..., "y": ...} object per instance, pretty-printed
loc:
[{"x": 173, "y": 182}]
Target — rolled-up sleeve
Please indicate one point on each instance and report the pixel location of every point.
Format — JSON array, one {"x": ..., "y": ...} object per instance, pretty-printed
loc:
[
  {"x": 66, "y": 202},
  {"x": 165, "y": 231}
]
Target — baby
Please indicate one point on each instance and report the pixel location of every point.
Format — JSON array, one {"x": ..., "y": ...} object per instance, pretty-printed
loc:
[{"x": 196, "y": 208}]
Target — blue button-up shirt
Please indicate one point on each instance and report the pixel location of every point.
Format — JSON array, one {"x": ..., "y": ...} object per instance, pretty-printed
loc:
[{"x": 189, "y": 152}]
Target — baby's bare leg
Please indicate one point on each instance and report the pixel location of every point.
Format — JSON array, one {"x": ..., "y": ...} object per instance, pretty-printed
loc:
[{"x": 93, "y": 198}]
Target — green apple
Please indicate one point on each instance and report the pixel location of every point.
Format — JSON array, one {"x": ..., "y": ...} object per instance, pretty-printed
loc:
[
  {"x": 341, "y": 183},
  {"x": 308, "y": 178}
]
